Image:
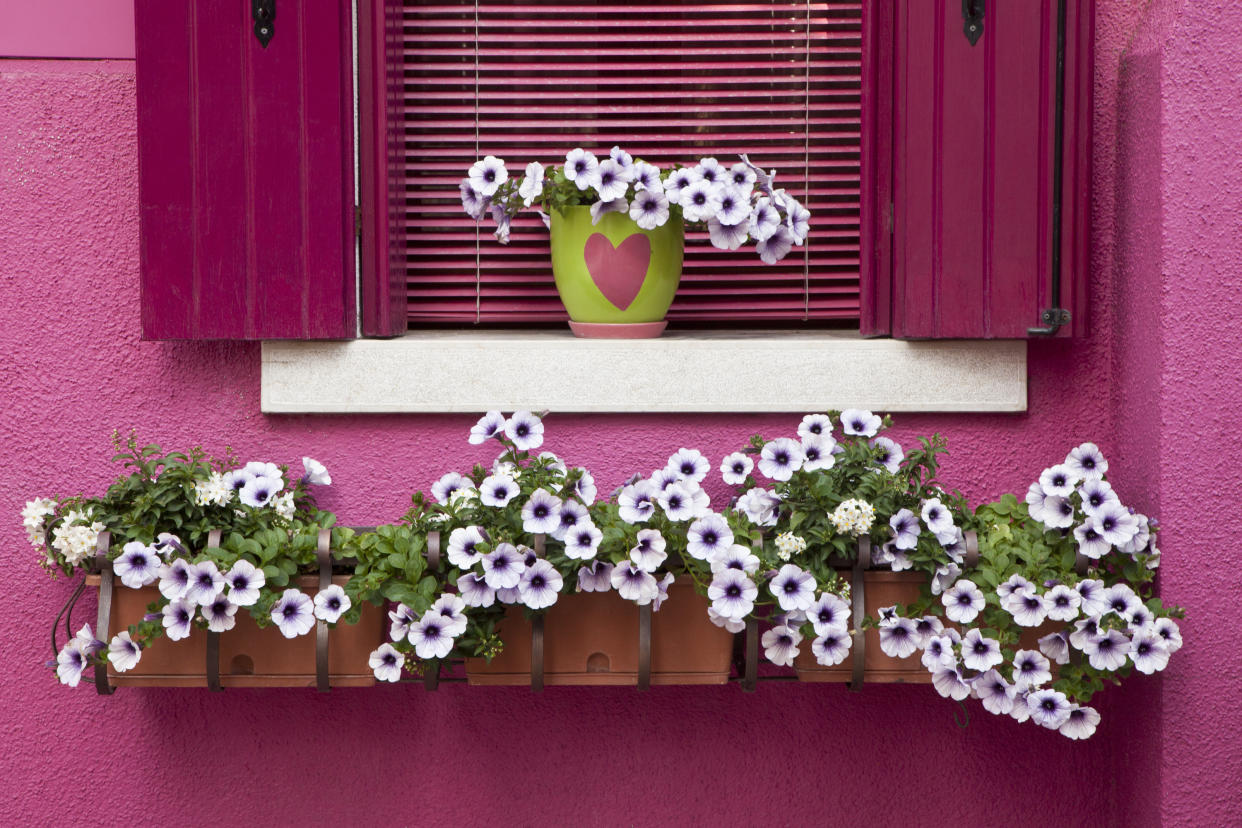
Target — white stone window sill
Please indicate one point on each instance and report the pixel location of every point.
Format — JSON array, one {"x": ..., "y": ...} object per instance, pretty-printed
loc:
[{"x": 751, "y": 371}]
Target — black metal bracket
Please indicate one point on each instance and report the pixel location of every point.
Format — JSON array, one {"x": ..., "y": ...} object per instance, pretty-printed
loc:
[
  {"x": 972, "y": 20},
  {"x": 264, "y": 12},
  {"x": 1053, "y": 319}
]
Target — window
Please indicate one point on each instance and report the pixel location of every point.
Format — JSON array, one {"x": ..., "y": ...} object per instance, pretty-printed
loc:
[{"x": 246, "y": 157}]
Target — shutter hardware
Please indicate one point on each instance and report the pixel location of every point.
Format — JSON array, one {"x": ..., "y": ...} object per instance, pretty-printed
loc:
[
  {"x": 1056, "y": 316},
  {"x": 264, "y": 12},
  {"x": 972, "y": 20}
]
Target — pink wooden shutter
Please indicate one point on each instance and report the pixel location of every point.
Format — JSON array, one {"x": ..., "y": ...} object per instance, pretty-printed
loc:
[
  {"x": 245, "y": 170},
  {"x": 670, "y": 82},
  {"x": 974, "y": 166}
]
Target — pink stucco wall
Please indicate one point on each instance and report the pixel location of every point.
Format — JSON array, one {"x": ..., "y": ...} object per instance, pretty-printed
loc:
[{"x": 1154, "y": 385}]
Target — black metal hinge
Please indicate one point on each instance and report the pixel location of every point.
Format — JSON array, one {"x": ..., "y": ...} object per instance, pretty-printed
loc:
[
  {"x": 972, "y": 20},
  {"x": 264, "y": 12}
]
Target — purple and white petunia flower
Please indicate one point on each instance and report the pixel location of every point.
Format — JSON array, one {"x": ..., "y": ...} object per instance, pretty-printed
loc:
[
  {"x": 1095, "y": 494},
  {"x": 735, "y": 557},
  {"x": 719, "y": 620},
  {"x": 726, "y": 236},
  {"x": 244, "y": 582},
  {"x": 123, "y": 652},
  {"x": 634, "y": 584},
  {"x": 661, "y": 479},
  {"x": 540, "y": 585},
  {"x": 572, "y": 514},
  {"x": 979, "y": 652},
  {"x": 963, "y": 601},
  {"x": 178, "y": 619},
  {"x": 490, "y": 425},
  {"x": 662, "y": 591},
  {"x": 898, "y": 638},
  {"x": 1049, "y": 708},
  {"x": 525, "y": 430},
  {"x": 532, "y": 183},
  {"x": 793, "y": 588},
  {"x": 1058, "y": 481},
  {"x": 831, "y": 648},
  {"x": 205, "y": 583},
  {"x": 1148, "y": 652},
  {"x": 542, "y": 513},
  {"x": 1085, "y": 631},
  {"x": 1080, "y": 723},
  {"x": 166, "y": 544},
  {"x": 623, "y": 160},
  {"x": 1087, "y": 462},
  {"x": 138, "y": 565},
  {"x": 648, "y": 553},
  {"x": 732, "y": 594},
  {"x": 689, "y": 464},
  {"x": 610, "y": 180},
  {"x": 442, "y": 490},
  {"x": 798, "y": 220},
  {"x": 735, "y": 467},
  {"x": 474, "y": 204},
  {"x": 780, "y": 645},
  {"x": 220, "y": 614},
  {"x": 1141, "y": 539},
  {"x": 1090, "y": 542},
  {"x": 927, "y": 628},
  {"x": 760, "y": 506},
  {"x": 386, "y": 663},
  {"x": 430, "y": 636},
  {"x": 580, "y": 166},
  {"x": 677, "y": 500},
  {"x": 944, "y": 575},
  {"x": 815, "y": 425},
  {"x": 936, "y": 515},
  {"x": 1056, "y": 647},
  {"x": 817, "y": 452},
  {"x": 1021, "y": 712},
  {"x": 889, "y": 454},
  {"x": 487, "y": 175},
  {"x": 646, "y": 176},
  {"x": 1029, "y": 609},
  {"x": 711, "y": 171},
  {"x": 462, "y": 546},
  {"x": 950, "y": 684},
  {"x": 741, "y": 176},
  {"x": 402, "y": 618},
  {"x": 70, "y": 662},
  {"x": 293, "y": 613},
  {"x": 1015, "y": 583},
  {"x": 905, "y": 527},
  {"x": 584, "y": 487},
  {"x": 473, "y": 590},
  {"x": 1107, "y": 651},
  {"x": 331, "y": 604},
  {"x": 860, "y": 422},
  {"x": 497, "y": 490},
  {"x": 636, "y": 502},
  {"x": 259, "y": 491},
  {"x": 764, "y": 220},
  {"x": 677, "y": 181},
  {"x": 582, "y": 542},
  {"x": 829, "y": 613},
  {"x": 938, "y": 654},
  {"x": 649, "y": 208},
  {"x": 707, "y": 536},
  {"x": 776, "y": 246},
  {"x": 700, "y": 201},
  {"x": 452, "y": 609},
  {"x": 1093, "y": 597},
  {"x": 1167, "y": 629},
  {"x": 996, "y": 694},
  {"x": 595, "y": 577},
  {"x": 1063, "y": 603},
  {"x": 780, "y": 458},
  {"x": 1057, "y": 512},
  {"x": 1114, "y": 523},
  {"x": 1035, "y": 500},
  {"x": 734, "y": 209},
  {"x": 1030, "y": 670},
  {"x": 503, "y": 566}
]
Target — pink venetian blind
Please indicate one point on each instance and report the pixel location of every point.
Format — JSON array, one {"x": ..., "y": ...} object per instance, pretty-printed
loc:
[{"x": 669, "y": 82}]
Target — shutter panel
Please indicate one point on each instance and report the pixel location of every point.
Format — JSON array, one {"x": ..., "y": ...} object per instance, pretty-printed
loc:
[
  {"x": 669, "y": 82},
  {"x": 972, "y": 134},
  {"x": 245, "y": 171}
]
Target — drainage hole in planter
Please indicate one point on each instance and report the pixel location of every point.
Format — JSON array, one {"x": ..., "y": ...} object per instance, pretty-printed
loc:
[
  {"x": 599, "y": 663},
  {"x": 241, "y": 665}
]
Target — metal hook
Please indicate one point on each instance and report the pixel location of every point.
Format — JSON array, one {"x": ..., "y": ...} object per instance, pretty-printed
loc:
[
  {"x": 972, "y": 20},
  {"x": 264, "y": 13}
]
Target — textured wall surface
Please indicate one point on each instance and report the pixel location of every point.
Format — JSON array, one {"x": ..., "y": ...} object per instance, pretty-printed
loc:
[{"x": 1153, "y": 385}]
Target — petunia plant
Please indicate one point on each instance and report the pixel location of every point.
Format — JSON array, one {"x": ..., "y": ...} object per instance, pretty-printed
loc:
[{"x": 735, "y": 204}]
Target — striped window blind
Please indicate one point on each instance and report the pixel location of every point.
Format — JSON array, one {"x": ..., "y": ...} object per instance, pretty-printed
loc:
[{"x": 669, "y": 82}]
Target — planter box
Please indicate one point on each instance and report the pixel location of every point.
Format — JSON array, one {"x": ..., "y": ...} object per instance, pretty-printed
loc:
[
  {"x": 881, "y": 589},
  {"x": 592, "y": 638},
  {"x": 249, "y": 656}
]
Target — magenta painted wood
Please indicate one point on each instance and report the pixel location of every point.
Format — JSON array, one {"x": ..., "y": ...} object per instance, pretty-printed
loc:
[
  {"x": 972, "y": 146},
  {"x": 67, "y": 29},
  {"x": 245, "y": 172},
  {"x": 553, "y": 77}
]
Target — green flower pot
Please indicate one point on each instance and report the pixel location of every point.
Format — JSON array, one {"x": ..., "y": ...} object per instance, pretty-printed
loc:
[{"x": 615, "y": 279}]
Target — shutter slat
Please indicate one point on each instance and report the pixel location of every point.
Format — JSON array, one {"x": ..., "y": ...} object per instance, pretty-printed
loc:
[{"x": 716, "y": 79}]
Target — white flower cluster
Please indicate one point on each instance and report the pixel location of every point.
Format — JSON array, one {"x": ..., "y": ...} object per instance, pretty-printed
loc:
[
  {"x": 33, "y": 519},
  {"x": 212, "y": 491},
  {"x": 76, "y": 537},
  {"x": 788, "y": 544},
  {"x": 1075, "y": 495},
  {"x": 737, "y": 203},
  {"x": 853, "y": 517}
]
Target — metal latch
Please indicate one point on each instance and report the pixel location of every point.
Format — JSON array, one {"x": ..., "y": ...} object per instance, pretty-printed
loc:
[
  {"x": 972, "y": 20},
  {"x": 264, "y": 12}
]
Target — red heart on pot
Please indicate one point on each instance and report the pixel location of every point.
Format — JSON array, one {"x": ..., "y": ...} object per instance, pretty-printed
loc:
[{"x": 618, "y": 271}]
